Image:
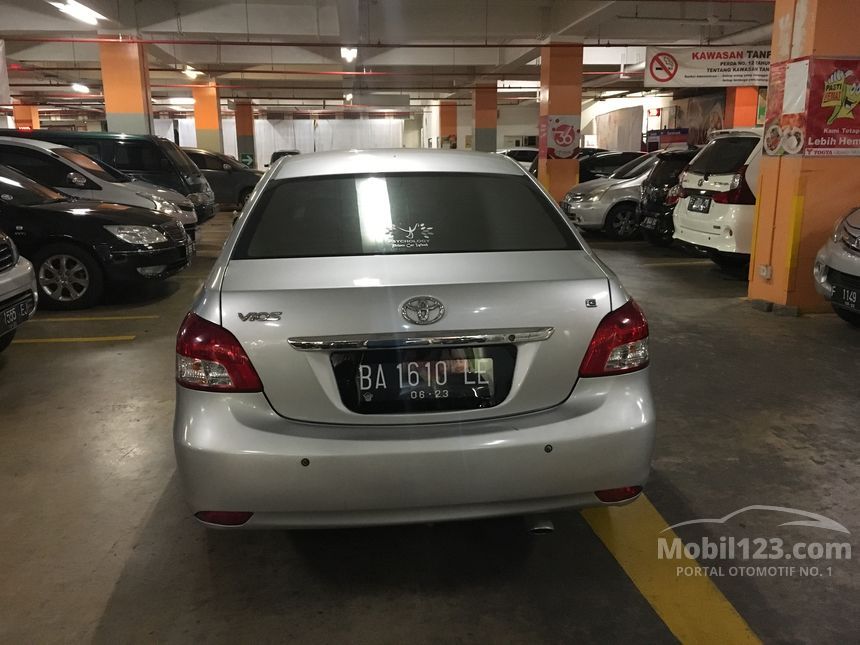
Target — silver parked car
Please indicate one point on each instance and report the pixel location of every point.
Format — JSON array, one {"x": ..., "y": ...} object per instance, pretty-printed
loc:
[
  {"x": 399, "y": 336},
  {"x": 610, "y": 203},
  {"x": 70, "y": 171},
  {"x": 837, "y": 268},
  {"x": 18, "y": 293}
]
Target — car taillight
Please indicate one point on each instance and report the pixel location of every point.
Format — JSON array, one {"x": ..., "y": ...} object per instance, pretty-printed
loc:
[
  {"x": 739, "y": 191},
  {"x": 209, "y": 358},
  {"x": 675, "y": 194},
  {"x": 619, "y": 345}
]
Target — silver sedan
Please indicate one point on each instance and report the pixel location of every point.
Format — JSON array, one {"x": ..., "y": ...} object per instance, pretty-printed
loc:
[{"x": 408, "y": 336}]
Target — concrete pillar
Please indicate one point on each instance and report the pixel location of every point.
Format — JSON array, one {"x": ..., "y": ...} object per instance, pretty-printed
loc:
[
  {"x": 448, "y": 124},
  {"x": 484, "y": 99},
  {"x": 26, "y": 117},
  {"x": 125, "y": 79},
  {"x": 244, "y": 111},
  {"x": 207, "y": 117},
  {"x": 800, "y": 197},
  {"x": 560, "y": 114},
  {"x": 741, "y": 107}
]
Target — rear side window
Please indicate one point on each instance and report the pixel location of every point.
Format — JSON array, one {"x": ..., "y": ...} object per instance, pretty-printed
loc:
[
  {"x": 38, "y": 166},
  {"x": 635, "y": 168},
  {"x": 401, "y": 213},
  {"x": 724, "y": 156}
]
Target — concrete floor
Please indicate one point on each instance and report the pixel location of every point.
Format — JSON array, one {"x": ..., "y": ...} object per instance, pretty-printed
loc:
[{"x": 97, "y": 545}]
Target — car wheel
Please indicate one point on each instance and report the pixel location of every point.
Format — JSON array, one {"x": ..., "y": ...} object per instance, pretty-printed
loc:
[
  {"x": 852, "y": 317},
  {"x": 69, "y": 277},
  {"x": 659, "y": 238},
  {"x": 622, "y": 223},
  {"x": 243, "y": 197},
  {"x": 6, "y": 340}
]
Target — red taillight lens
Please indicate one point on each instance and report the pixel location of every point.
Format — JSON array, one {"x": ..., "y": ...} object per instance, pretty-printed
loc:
[
  {"x": 739, "y": 191},
  {"x": 618, "y": 494},
  {"x": 619, "y": 345},
  {"x": 674, "y": 195},
  {"x": 224, "y": 518},
  {"x": 209, "y": 358}
]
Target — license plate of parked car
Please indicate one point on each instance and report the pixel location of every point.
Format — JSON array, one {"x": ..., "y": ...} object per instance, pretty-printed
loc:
[
  {"x": 846, "y": 296},
  {"x": 423, "y": 380},
  {"x": 13, "y": 315},
  {"x": 699, "y": 204},
  {"x": 649, "y": 222}
]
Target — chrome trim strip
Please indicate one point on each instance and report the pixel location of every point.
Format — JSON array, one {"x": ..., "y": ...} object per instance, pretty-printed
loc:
[{"x": 400, "y": 340}]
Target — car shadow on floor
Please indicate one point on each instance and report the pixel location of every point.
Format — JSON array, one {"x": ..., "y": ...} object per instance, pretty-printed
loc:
[{"x": 456, "y": 582}]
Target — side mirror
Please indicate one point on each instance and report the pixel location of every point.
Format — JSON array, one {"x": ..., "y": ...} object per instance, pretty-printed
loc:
[
  {"x": 226, "y": 166},
  {"x": 76, "y": 180}
]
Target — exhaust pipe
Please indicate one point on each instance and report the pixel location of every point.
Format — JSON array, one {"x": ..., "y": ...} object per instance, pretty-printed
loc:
[{"x": 540, "y": 525}]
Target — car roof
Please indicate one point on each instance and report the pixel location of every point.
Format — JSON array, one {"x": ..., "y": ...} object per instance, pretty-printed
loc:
[
  {"x": 529, "y": 148},
  {"x": 35, "y": 134},
  {"x": 202, "y": 151},
  {"x": 350, "y": 162},
  {"x": 31, "y": 143},
  {"x": 737, "y": 132}
]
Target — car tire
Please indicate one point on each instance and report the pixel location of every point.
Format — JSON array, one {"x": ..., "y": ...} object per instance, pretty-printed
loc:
[
  {"x": 659, "y": 238},
  {"x": 243, "y": 197},
  {"x": 852, "y": 317},
  {"x": 69, "y": 277},
  {"x": 622, "y": 222},
  {"x": 6, "y": 340}
]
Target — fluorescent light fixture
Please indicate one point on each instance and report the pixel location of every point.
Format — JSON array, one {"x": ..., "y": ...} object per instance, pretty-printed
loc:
[
  {"x": 348, "y": 53},
  {"x": 176, "y": 100},
  {"x": 190, "y": 72},
  {"x": 79, "y": 87},
  {"x": 347, "y": 97},
  {"x": 78, "y": 11}
]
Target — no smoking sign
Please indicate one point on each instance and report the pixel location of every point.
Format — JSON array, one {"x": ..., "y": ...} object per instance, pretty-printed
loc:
[{"x": 663, "y": 67}]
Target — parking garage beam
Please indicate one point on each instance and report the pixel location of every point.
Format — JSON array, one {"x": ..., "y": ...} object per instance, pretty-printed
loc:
[
  {"x": 244, "y": 111},
  {"x": 125, "y": 79},
  {"x": 801, "y": 196},
  {"x": 486, "y": 115},
  {"x": 207, "y": 117},
  {"x": 559, "y": 120},
  {"x": 26, "y": 117}
]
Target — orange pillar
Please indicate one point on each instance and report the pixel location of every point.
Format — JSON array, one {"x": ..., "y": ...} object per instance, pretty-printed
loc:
[
  {"x": 741, "y": 107},
  {"x": 800, "y": 197},
  {"x": 448, "y": 123},
  {"x": 560, "y": 113},
  {"x": 26, "y": 117},
  {"x": 245, "y": 133},
  {"x": 207, "y": 117},
  {"x": 125, "y": 79},
  {"x": 486, "y": 112}
]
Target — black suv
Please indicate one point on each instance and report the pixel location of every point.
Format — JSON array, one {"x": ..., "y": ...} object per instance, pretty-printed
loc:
[{"x": 660, "y": 194}]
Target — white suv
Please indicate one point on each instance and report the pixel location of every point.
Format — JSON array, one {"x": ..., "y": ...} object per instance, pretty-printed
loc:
[{"x": 720, "y": 188}]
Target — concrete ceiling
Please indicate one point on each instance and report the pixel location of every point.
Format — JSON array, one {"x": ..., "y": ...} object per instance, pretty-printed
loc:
[{"x": 287, "y": 52}]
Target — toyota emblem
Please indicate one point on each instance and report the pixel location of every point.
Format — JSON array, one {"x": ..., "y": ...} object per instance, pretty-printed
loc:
[{"x": 422, "y": 310}]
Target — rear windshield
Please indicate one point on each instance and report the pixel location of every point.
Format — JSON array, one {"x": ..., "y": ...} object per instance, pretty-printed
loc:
[
  {"x": 401, "y": 213},
  {"x": 668, "y": 169},
  {"x": 724, "y": 156},
  {"x": 635, "y": 168}
]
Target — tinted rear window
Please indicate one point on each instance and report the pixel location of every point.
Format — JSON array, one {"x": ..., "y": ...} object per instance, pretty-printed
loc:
[
  {"x": 724, "y": 156},
  {"x": 635, "y": 168},
  {"x": 668, "y": 169},
  {"x": 401, "y": 213}
]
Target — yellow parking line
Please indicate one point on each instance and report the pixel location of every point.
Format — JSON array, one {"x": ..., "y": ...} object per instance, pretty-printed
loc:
[
  {"x": 79, "y": 339},
  {"x": 682, "y": 263},
  {"x": 93, "y": 318},
  {"x": 691, "y": 606}
]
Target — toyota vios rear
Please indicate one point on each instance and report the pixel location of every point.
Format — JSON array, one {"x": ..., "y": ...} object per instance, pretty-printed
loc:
[{"x": 408, "y": 336}]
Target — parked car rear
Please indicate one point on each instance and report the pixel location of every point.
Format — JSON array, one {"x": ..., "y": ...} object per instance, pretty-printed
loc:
[
  {"x": 231, "y": 181},
  {"x": 660, "y": 193},
  {"x": 400, "y": 336},
  {"x": 18, "y": 295},
  {"x": 717, "y": 209}
]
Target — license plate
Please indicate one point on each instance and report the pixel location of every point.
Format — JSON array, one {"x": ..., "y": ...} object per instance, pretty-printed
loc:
[
  {"x": 846, "y": 296},
  {"x": 649, "y": 223},
  {"x": 424, "y": 380},
  {"x": 699, "y": 204},
  {"x": 11, "y": 316}
]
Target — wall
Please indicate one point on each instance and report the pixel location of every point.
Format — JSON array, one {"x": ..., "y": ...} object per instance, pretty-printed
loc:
[
  {"x": 412, "y": 132},
  {"x": 593, "y": 109},
  {"x": 517, "y": 121}
]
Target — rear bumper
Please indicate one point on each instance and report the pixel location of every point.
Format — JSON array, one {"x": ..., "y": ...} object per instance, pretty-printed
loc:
[
  {"x": 16, "y": 282},
  {"x": 234, "y": 453},
  {"x": 727, "y": 229}
]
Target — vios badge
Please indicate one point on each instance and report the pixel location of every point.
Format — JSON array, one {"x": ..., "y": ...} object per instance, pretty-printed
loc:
[
  {"x": 260, "y": 316},
  {"x": 422, "y": 310}
]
